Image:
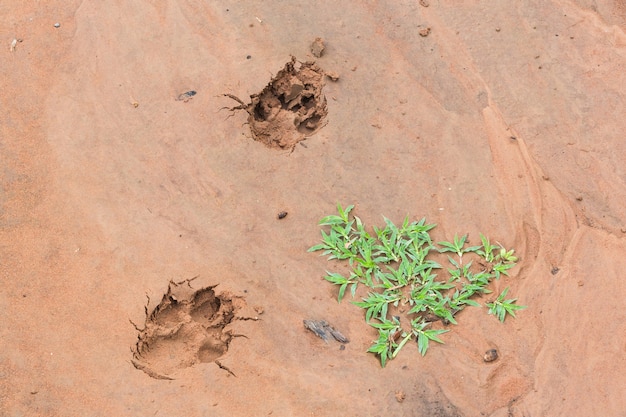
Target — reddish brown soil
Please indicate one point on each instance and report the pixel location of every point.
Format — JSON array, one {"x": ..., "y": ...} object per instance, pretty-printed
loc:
[{"x": 507, "y": 119}]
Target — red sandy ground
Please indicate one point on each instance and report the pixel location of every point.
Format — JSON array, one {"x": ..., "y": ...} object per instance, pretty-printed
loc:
[{"x": 103, "y": 202}]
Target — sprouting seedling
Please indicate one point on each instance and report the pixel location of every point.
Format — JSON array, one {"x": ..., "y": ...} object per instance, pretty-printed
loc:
[
  {"x": 386, "y": 346},
  {"x": 487, "y": 250},
  {"x": 457, "y": 247},
  {"x": 507, "y": 256},
  {"x": 377, "y": 304},
  {"x": 343, "y": 217},
  {"x": 423, "y": 336},
  {"x": 343, "y": 283},
  {"x": 501, "y": 269},
  {"x": 459, "y": 271},
  {"x": 392, "y": 243},
  {"x": 500, "y": 307}
]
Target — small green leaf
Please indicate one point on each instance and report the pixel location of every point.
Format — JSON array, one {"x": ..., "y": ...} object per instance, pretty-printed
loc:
[
  {"x": 424, "y": 336},
  {"x": 317, "y": 247},
  {"x": 487, "y": 249},
  {"x": 501, "y": 268},
  {"x": 377, "y": 304},
  {"x": 342, "y": 290},
  {"x": 422, "y": 343},
  {"x": 507, "y": 256},
  {"x": 353, "y": 289},
  {"x": 331, "y": 221}
]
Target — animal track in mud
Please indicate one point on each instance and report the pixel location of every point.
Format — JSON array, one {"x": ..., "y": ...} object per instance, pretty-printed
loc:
[
  {"x": 290, "y": 108},
  {"x": 186, "y": 328}
]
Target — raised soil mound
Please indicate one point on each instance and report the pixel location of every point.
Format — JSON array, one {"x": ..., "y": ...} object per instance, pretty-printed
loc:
[
  {"x": 187, "y": 327},
  {"x": 290, "y": 108}
]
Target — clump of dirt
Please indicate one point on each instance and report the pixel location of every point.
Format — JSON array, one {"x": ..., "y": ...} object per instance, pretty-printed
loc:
[
  {"x": 290, "y": 108},
  {"x": 317, "y": 47},
  {"x": 187, "y": 327}
]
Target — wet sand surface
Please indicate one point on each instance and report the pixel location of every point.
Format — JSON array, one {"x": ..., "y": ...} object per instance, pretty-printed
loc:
[{"x": 501, "y": 118}]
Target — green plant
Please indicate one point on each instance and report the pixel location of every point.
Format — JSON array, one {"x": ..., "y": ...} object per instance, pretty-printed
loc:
[
  {"x": 457, "y": 247},
  {"x": 396, "y": 264},
  {"x": 500, "y": 307}
]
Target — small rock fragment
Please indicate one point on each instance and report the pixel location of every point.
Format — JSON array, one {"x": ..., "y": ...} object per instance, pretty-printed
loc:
[
  {"x": 57, "y": 25},
  {"x": 332, "y": 75},
  {"x": 490, "y": 355},
  {"x": 186, "y": 96},
  {"x": 400, "y": 396},
  {"x": 424, "y": 32},
  {"x": 317, "y": 47},
  {"x": 424, "y": 3}
]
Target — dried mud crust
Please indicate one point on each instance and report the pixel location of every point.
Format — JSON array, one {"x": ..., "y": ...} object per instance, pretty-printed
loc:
[
  {"x": 187, "y": 327},
  {"x": 290, "y": 108}
]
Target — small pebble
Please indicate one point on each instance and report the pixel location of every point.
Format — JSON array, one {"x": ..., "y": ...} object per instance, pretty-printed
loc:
[
  {"x": 491, "y": 355},
  {"x": 282, "y": 215},
  {"x": 186, "y": 96},
  {"x": 332, "y": 75},
  {"x": 317, "y": 47},
  {"x": 400, "y": 396},
  {"x": 57, "y": 25}
]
